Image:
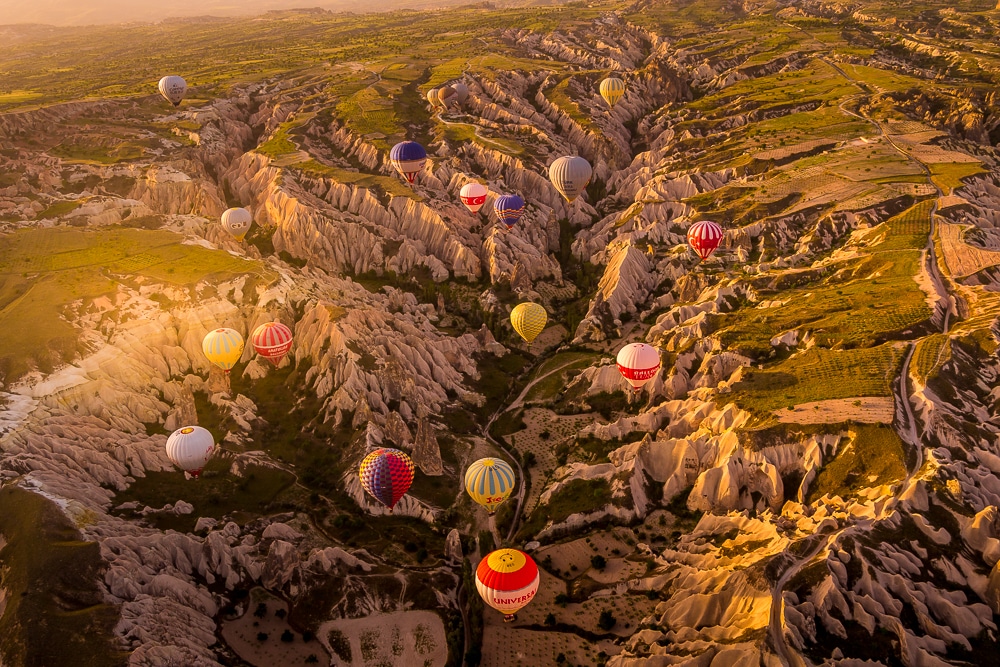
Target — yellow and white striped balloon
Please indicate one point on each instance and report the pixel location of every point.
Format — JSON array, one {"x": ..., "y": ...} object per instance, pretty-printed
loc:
[
  {"x": 612, "y": 90},
  {"x": 489, "y": 482},
  {"x": 223, "y": 347},
  {"x": 528, "y": 320}
]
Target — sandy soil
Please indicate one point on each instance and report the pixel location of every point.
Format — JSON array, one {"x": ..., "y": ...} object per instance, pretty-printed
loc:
[
  {"x": 961, "y": 258},
  {"x": 241, "y": 636},
  {"x": 526, "y": 642},
  {"x": 869, "y": 410},
  {"x": 573, "y": 558},
  {"x": 505, "y": 646},
  {"x": 410, "y": 638},
  {"x": 949, "y": 201},
  {"x": 560, "y": 428}
]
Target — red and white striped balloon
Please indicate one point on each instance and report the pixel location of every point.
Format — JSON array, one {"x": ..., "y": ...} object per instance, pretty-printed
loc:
[
  {"x": 638, "y": 363},
  {"x": 272, "y": 340},
  {"x": 704, "y": 237}
]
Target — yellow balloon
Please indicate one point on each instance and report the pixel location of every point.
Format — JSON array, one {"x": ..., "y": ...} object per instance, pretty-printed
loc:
[
  {"x": 489, "y": 482},
  {"x": 223, "y": 347},
  {"x": 528, "y": 319},
  {"x": 612, "y": 90}
]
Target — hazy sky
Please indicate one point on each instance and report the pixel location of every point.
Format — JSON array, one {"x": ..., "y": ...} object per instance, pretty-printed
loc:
[{"x": 83, "y": 12}]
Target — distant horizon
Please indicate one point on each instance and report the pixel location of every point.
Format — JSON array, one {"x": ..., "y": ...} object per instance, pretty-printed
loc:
[{"x": 78, "y": 13}]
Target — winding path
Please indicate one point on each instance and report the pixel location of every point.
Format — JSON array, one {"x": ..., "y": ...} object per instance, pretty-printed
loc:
[{"x": 907, "y": 428}]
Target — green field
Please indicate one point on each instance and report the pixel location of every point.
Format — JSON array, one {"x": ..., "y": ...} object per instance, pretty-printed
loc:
[
  {"x": 817, "y": 375},
  {"x": 44, "y": 271},
  {"x": 55, "y": 611},
  {"x": 873, "y": 456},
  {"x": 859, "y": 312}
]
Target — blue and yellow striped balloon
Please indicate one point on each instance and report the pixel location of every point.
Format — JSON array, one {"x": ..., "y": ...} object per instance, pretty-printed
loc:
[
  {"x": 223, "y": 347},
  {"x": 489, "y": 482}
]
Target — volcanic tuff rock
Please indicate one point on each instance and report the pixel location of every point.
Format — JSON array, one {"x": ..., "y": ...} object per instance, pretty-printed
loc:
[{"x": 763, "y": 544}]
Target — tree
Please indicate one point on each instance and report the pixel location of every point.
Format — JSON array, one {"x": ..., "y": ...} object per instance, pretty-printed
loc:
[
  {"x": 606, "y": 620},
  {"x": 312, "y": 658},
  {"x": 598, "y": 562},
  {"x": 550, "y": 619},
  {"x": 287, "y": 636},
  {"x": 261, "y": 610},
  {"x": 262, "y": 636},
  {"x": 281, "y": 613}
]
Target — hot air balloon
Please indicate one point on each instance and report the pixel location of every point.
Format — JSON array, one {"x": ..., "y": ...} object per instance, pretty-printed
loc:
[
  {"x": 190, "y": 448},
  {"x": 507, "y": 580},
  {"x": 612, "y": 90},
  {"x": 432, "y": 97},
  {"x": 638, "y": 363},
  {"x": 272, "y": 340},
  {"x": 448, "y": 96},
  {"x": 704, "y": 236},
  {"x": 386, "y": 474},
  {"x": 237, "y": 222},
  {"x": 462, "y": 90},
  {"x": 409, "y": 158},
  {"x": 473, "y": 195},
  {"x": 173, "y": 88},
  {"x": 528, "y": 320},
  {"x": 223, "y": 347},
  {"x": 570, "y": 175},
  {"x": 489, "y": 482},
  {"x": 509, "y": 209}
]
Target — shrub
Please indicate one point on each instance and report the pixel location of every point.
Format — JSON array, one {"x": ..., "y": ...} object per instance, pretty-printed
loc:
[{"x": 606, "y": 620}]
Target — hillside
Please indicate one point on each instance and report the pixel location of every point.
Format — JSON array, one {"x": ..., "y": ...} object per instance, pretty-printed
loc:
[{"x": 810, "y": 478}]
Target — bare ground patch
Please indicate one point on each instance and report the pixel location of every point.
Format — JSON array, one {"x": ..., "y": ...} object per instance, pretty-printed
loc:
[{"x": 863, "y": 409}]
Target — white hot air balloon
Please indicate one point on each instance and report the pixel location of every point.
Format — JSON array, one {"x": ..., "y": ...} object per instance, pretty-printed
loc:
[
  {"x": 462, "y": 90},
  {"x": 473, "y": 195},
  {"x": 237, "y": 222},
  {"x": 570, "y": 175},
  {"x": 173, "y": 88},
  {"x": 190, "y": 448},
  {"x": 638, "y": 363}
]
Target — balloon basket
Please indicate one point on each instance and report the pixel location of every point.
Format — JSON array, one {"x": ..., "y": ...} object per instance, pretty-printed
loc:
[{"x": 509, "y": 618}]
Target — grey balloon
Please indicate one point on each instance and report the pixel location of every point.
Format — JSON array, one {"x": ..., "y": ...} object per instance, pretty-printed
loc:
[
  {"x": 570, "y": 175},
  {"x": 462, "y": 90}
]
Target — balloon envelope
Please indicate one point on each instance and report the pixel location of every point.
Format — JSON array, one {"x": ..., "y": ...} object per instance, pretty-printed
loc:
[
  {"x": 462, "y": 90},
  {"x": 223, "y": 347},
  {"x": 638, "y": 363},
  {"x": 386, "y": 474},
  {"x": 173, "y": 88},
  {"x": 473, "y": 195},
  {"x": 409, "y": 158},
  {"x": 528, "y": 320},
  {"x": 570, "y": 175},
  {"x": 489, "y": 482},
  {"x": 190, "y": 448},
  {"x": 272, "y": 340},
  {"x": 507, "y": 580},
  {"x": 704, "y": 237},
  {"x": 448, "y": 96},
  {"x": 237, "y": 222},
  {"x": 432, "y": 97},
  {"x": 612, "y": 90},
  {"x": 509, "y": 209}
]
